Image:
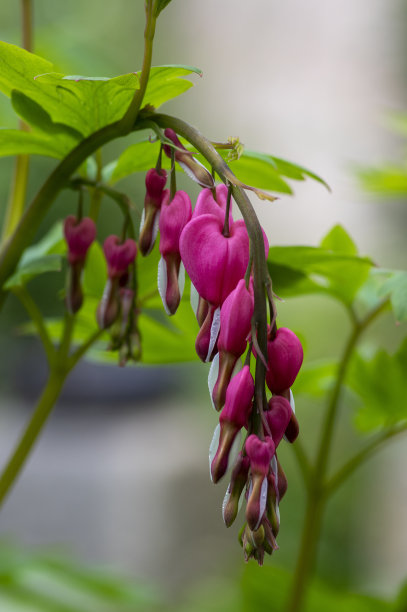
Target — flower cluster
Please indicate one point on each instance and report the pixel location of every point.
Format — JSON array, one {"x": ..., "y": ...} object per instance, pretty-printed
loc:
[{"x": 215, "y": 251}]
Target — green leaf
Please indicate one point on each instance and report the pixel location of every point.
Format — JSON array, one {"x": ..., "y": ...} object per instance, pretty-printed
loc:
[
  {"x": 300, "y": 270},
  {"x": 254, "y": 169},
  {"x": 339, "y": 241},
  {"x": 45, "y": 256},
  {"x": 85, "y": 104},
  {"x": 95, "y": 272},
  {"x": 316, "y": 379},
  {"x": 161, "y": 4},
  {"x": 264, "y": 585},
  {"x": 395, "y": 288},
  {"x": 387, "y": 180},
  {"x": 16, "y": 142},
  {"x": 381, "y": 385}
]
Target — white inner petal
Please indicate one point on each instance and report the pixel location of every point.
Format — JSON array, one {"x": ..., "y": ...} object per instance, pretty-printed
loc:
[
  {"x": 214, "y": 446},
  {"x": 162, "y": 282},
  {"x": 142, "y": 220},
  {"x": 213, "y": 376},
  {"x": 225, "y": 501},
  {"x": 215, "y": 327},
  {"x": 263, "y": 502},
  {"x": 194, "y": 298},
  {"x": 181, "y": 279},
  {"x": 292, "y": 402}
]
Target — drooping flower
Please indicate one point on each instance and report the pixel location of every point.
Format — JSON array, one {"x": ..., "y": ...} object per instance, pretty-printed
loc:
[
  {"x": 79, "y": 235},
  {"x": 155, "y": 183},
  {"x": 238, "y": 479},
  {"x": 235, "y": 323},
  {"x": 285, "y": 357},
  {"x": 278, "y": 417},
  {"x": 234, "y": 416},
  {"x": 207, "y": 204},
  {"x": 174, "y": 216},
  {"x": 260, "y": 453},
  {"x": 118, "y": 256}
]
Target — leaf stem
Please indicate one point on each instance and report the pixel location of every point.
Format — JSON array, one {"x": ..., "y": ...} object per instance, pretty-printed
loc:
[
  {"x": 36, "y": 317},
  {"x": 359, "y": 458}
]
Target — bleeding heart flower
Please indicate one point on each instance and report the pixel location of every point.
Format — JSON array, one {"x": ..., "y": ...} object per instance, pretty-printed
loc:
[
  {"x": 155, "y": 183},
  {"x": 173, "y": 218},
  {"x": 206, "y": 203},
  {"x": 79, "y": 235},
  {"x": 285, "y": 357}
]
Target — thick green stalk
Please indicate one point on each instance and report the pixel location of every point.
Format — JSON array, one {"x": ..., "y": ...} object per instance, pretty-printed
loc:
[
  {"x": 43, "y": 409},
  {"x": 317, "y": 491}
]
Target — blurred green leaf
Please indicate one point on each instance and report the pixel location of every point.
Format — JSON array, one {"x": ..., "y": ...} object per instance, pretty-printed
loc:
[
  {"x": 381, "y": 384},
  {"x": 16, "y": 142},
  {"x": 33, "y": 582},
  {"x": 268, "y": 588},
  {"x": 316, "y": 378},
  {"x": 95, "y": 272},
  {"x": 300, "y": 270},
  {"x": 161, "y": 4},
  {"x": 387, "y": 180},
  {"x": 339, "y": 241},
  {"x": 255, "y": 169},
  {"x": 45, "y": 256},
  {"x": 395, "y": 288}
]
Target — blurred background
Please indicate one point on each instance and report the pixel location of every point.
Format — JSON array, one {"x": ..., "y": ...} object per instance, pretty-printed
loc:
[{"x": 120, "y": 476}]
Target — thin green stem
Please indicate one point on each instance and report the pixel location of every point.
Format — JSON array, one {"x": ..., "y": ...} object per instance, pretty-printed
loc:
[
  {"x": 96, "y": 198},
  {"x": 36, "y": 317},
  {"x": 359, "y": 458},
  {"x": 80, "y": 352},
  {"x": 131, "y": 114},
  {"x": 18, "y": 191},
  {"x": 317, "y": 493}
]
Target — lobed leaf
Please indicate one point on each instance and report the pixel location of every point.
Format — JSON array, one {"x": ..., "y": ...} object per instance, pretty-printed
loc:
[
  {"x": 380, "y": 382},
  {"x": 329, "y": 269}
]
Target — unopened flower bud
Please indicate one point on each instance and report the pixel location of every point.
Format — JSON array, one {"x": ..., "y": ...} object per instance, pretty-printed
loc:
[
  {"x": 175, "y": 214},
  {"x": 238, "y": 481},
  {"x": 260, "y": 453},
  {"x": 108, "y": 308},
  {"x": 193, "y": 168},
  {"x": 118, "y": 255},
  {"x": 285, "y": 357},
  {"x": 206, "y": 340},
  {"x": 206, "y": 204},
  {"x": 278, "y": 417},
  {"x": 79, "y": 235},
  {"x": 235, "y": 323},
  {"x": 233, "y": 417},
  {"x": 155, "y": 183}
]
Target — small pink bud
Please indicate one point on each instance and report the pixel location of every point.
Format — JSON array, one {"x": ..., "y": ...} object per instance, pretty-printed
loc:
[
  {"x": 278, "y": 417},
  {"x": 194, "y": 169},
  {"x": 118, "y": 255},
  {"x": 206, "y": 340},
  {"x": 79, "y": 235},
  {"x": 108, "y": 308},
  {"x": 260, "y": 453},
  {"x": 235, "y": 319},
  {"x": 285, "y": 357},
  {"x": 155, "y": 183}
]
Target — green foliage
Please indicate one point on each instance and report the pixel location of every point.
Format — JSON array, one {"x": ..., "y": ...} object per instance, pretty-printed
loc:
[
  {"x": 161, "y": 5},
  {"x": 45, "y": 256},
  {"x": 330, "y": 269},
  {"x": 255, "y": 169},
  {"x": 268, "y": 588},
  {"x": 31, "y": 582},
  {"x": 381, "y": 384},
  {"x": 50, "y": 101},
  {"x": 385, "y": 181},
  {"x": 316, "y": 379},
  {"x": 16, "y": 142}
]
